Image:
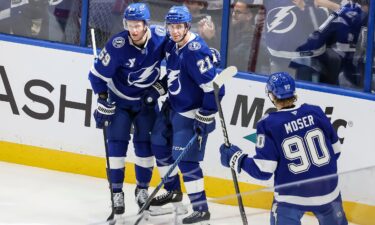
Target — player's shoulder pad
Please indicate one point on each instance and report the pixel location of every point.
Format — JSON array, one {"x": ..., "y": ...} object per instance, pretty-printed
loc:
[
  {"x": 264, "y": 117},
  {"x": 314, "y": 108},
  {"x": 158, "y": 30}
]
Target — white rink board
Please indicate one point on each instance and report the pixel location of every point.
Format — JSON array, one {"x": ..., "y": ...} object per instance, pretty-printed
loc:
[{"x": 49, "y": 71}]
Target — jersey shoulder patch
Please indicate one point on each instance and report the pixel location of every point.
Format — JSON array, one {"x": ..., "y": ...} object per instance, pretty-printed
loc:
[
  {"x": 118, "y": 42},
  {"x": 160, "y": 31},
  {"x": 194, "y": 45}
]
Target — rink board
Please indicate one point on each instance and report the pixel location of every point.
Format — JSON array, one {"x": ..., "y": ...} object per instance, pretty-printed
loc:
[{"x": 46, "y": 106}]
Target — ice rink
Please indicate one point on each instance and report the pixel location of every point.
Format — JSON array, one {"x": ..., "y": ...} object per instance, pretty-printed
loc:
[{"x": 35, "y": 196}]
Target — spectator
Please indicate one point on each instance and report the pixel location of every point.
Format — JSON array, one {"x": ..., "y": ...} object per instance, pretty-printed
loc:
[
  {"x": 202, "y": 22},
  {"x": 5, "y": 17},
  {"x": 245, "y": 36},
  {"x": 62, "y": 12},
  {"x": 30, "y": 18}
]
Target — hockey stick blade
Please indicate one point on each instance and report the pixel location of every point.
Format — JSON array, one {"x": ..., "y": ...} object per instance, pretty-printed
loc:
[
  {"x": 173, "y": 166},
  {"x": 225, "y": 75}
]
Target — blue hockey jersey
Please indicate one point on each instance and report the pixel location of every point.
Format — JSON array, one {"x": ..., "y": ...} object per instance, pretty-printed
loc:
[
  {"x": 127, "y": 70},
  {"x": 190, "y": 72},
  {"x": 288, "y": 27},
  {"x": 4, "y": 10},
  {"x": 297, "y": 144},
  {"x": 340, "y": 31}
]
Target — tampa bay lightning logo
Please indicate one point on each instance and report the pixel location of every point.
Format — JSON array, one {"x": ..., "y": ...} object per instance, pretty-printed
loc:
[
  {"x": 144, "y": 77},
  {"x": 174, "y": 84},
  {"x": 281, "y": 20}
]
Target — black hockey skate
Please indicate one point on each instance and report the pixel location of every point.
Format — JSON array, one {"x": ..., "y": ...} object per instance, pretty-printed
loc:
[
  {"x": 197, "y": 217},
  {"x": 174, "y": 197}
]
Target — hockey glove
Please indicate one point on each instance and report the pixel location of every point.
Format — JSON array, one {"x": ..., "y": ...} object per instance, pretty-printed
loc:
[
  {"x": 351, "y": 13},
  {"x": 232, "y": 157},
  {"x": 216, "y": 57},
  {"x": 151, "y": 95},
  {"x": 104, "y": 112},
  {"x": 204, "y": 122}
]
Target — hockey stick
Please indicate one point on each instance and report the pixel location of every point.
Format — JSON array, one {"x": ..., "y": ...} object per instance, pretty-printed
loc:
[
  {"x": 112, "y": 215},
  {"x": 219, "y": 80},
  {"x": 173, "y": 166},
  {"x": 93, "y": 42}
]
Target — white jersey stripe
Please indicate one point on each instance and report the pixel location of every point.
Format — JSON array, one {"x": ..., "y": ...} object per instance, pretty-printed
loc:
[
  {"x": 267, "y": 166},
  {"x": 207, "y": 87},
  {"x": 337, "y": 147},
  {"x": 97, "y": 74},
  {"x": 117, "y": 162},
  {"x": 145, "y": 162},
  {"x": 164, "y": 169},
  {"x": 194, "y": 186},
  {"x": 308, "y": 201}
]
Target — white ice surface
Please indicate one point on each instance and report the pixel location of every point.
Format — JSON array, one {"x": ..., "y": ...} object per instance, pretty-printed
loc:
[{"x": 35, "y": 196}]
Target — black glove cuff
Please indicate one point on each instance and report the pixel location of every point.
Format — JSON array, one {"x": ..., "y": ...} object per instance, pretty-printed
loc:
[{"x": 159, "y": 88}]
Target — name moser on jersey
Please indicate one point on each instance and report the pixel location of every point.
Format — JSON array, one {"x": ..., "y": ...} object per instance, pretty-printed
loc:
[
  {"x": 296, "y": 143},
  {"x": 300, "y": 123}
]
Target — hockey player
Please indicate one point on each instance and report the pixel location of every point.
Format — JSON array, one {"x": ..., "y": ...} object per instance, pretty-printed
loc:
[
  {"x": 190, "y": 109},
  {"x": 295, "y": 20},
  {"x": 340, "y": 32},
  {"x": 294, "y": 143},
  {"x": 127, "y": 67}
]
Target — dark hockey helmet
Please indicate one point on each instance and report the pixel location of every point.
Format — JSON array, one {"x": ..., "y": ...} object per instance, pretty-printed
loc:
[
  {"x": 178, "y": 14},
  {"x": 137, "y": 11},
  {"x": 281, "y": 85}
]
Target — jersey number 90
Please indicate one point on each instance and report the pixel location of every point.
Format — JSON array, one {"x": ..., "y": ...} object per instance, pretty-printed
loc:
[{"x": 306, "y": 150}]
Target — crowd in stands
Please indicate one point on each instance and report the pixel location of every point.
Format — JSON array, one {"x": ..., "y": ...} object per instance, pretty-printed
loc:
[{"x": 313, "y": 40}]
